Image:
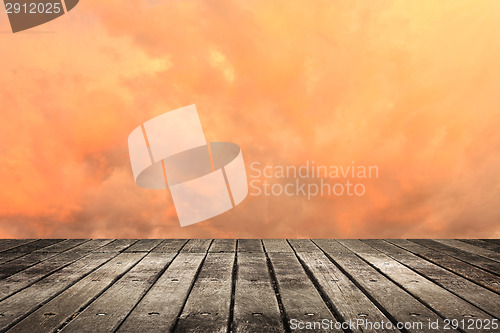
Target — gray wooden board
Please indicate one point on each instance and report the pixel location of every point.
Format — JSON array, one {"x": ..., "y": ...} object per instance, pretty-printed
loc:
[
  {"x": 202, "y": 285},
  {"x": 90, "y": 246},
  {"x": 479, "y": 296},
  {"x": 117, "y": 245},
  {"x": 17, "y": 306},
  {"x": 471, "y": 258},
  {"x": 441, "y": 300},
  {"x": 28, "y": 276},
  {"x": 6, "y": 257},
  {"x": 144, "y": 245},
  {"x": 62, "y": 246},
  {"x": 61, "y": 308},
  {"x": 396, "y": 302},
  {"x": 276, "y": 245},
  {"x": 7, "y": 244},
  {"x": 301, "y": 300},
  {"x": 111, "y": 308},
  {"x": 170, "y": 245},
  {"x": 249, "y": 245},
  {"x": 471, "y": 248},
  {"x": 208, "y": 304},
  {"x": 32, "y": 246},
  {"x": 197, "y": 246},
  {"x": 494, "y": 241},
  {"x": 35, "y": 273},
  {"x": 255, "y": 305},
  {"x": 473, "y": 273},
  {"x": 349, "y": 301},
  {"x": 223, "y": 245},
  {"x": 159, "y": 308},
  {"x": 304, "y": 245},
  {"x": 482, "y": 243},
  {"x": 23, "y": 262},
  {"x": 25, "y": 249}
]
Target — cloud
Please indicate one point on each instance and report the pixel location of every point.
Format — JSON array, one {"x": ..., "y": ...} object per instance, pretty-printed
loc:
[{"x": 411, "y": 90}]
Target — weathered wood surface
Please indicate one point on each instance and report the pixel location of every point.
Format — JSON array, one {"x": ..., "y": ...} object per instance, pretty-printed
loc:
[{"x": 248, "y": 285}]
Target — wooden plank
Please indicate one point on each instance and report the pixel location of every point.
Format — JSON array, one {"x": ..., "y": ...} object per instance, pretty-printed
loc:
[
  {"x": 473, "y": 259},
  {"x": 12, "y": 267},
  {"x": 19, "y": 305},
  {"x": 144, "y": 245},
  {"x": 37, "y": 256},
  {"x": 62, "y": 246},
  {"x": 90, "y": 246},
  {"x": 490, "y": 240},
  {"x": 301, "y": 301},
  {"x": 426, "y": 291},
  {"x": 7, "y": 244},
  {"x": 197, "y": 246},
  {"x": 349, "y": 301},
  {"x": 170, "y": 245},
  {"x": 475, "y": 274},
  {"x": 223, "y": 245},
  {"x": 159, "y": 308},
  {"x": 482, "y": 243},
  {"x": 250, "y": 245},
  {"x": 276, "y": 245},
  {"x": 470, "y": 248},
  {"x": 110, "y": 309},
  {"x": 208, "y": 304},
  {"x": 33, "y": 246},
  {"x": 19, "y": 251},
  {"x": 255, "y": 305},
  {"x": 117, "y": 245},
  {"x": 36, "y": 272},
  {"x": 481, "y": 297},
  {"x": 304, "y": 245},
  {"x": 61, "y": 308},
  {"x": 397, "y": 303}
]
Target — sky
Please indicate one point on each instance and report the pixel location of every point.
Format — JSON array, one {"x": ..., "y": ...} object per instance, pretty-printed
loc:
[{"x": 409, "y": 87}]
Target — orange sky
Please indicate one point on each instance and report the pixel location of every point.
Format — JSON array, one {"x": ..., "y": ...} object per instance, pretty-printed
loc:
[{"x": 412, "y": 87}]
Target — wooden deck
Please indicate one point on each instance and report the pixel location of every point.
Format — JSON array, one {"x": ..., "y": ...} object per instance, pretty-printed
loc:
[{"x": 249, "y": 285}]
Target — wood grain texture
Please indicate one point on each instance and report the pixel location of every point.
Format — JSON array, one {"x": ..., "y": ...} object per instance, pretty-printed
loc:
[
  {"x": 473, "y": 273},
  {"x": 197, "y": 246},
  {"x": 441, "y": 300},
  {"x": 471, "y": 248},
  {"x": 255, "y": 304},
  {"x": 482, "y": 243},
  {"x": 144, "y": 245},
  {"x": 160, "y": 307},
  {"x": 223, "y": 245},
  {"x": 21, "y": 304},
  {"x": 170, "y": 245},
  {"x": 7, "y": 244},
  {"x": 250, "y": 245},
  {"x": 481, "y": 297},
  {"x": 107, "y": 312},
  {"x": 468, "y": 257},
  {"x": 301, "y": 300},
  {"x": 349, "y": 301},
  {"x": 396, "y": 302},
  {"x": 246, "y": 285},
  {"x": 66, "y": 305},
  {"x": 276, "y": 245},
  {"x": 208, "y": 304},
  {"x": 117, "y": 245}
]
